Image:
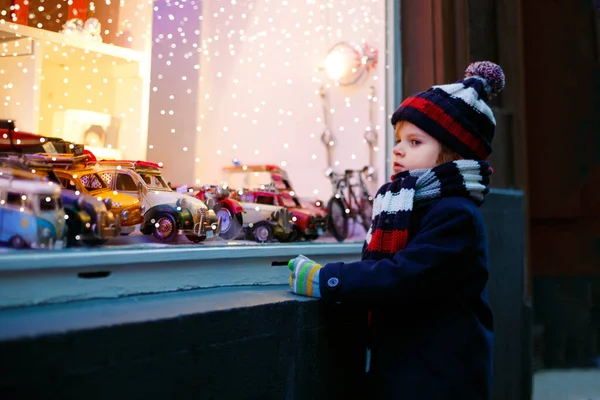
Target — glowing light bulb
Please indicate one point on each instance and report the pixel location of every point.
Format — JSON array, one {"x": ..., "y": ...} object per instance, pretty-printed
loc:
[{"x": 335, "y": 65}]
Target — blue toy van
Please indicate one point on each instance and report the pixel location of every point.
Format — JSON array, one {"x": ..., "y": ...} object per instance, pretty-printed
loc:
[{"x": 31, "y": 214}]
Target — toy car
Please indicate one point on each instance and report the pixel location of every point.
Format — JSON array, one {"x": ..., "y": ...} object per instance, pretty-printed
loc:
[
  {"x": 264, "y": 222},
  {"x": 167, "y": 211},
  {"x": 84, "y": 179},
  {"x": 31, "y": 213},
  {"x": 17, "y": 141},
  {"x": 308, "y": 224},
  {"x": 229, "y": 211},
  {"x": 274, "y": 187},
  {"x": 89, "y": 220}
]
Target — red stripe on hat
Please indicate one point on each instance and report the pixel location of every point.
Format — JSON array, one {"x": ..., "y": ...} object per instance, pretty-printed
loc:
[
  {"x": 388, "y": 241},
  {"x": 438, "y": 115}
]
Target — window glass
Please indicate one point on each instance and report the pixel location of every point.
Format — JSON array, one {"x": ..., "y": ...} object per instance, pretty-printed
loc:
[
  {"x": 154, "y": 181},
  {"x": 92, "y": 182},
  {"x": 49, "y": 203},
  {"x": 67, "y": 183},
  {"x": 255, "y": 109},
  {"x": 270, "y": 200},
  {"x": 14, "y": 199},
  {"x": 106, "y": 177},
  {"x": 289, "y": 202},
  {"x": 247, "y": 197},
  {"x": 250, "y": 180},
  {"x": 125, "y": 182}
]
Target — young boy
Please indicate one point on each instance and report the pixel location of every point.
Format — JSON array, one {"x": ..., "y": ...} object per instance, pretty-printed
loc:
[{"x": 420, "y": 286}]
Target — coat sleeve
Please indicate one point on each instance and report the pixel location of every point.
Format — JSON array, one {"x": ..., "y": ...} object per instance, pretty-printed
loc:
[{"x": 446, "y": 257}]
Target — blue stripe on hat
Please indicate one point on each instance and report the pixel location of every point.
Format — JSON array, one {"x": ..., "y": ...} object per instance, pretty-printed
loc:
[
  {"x": 467, "y": 116},
  {"x": 434, "y": 129}
]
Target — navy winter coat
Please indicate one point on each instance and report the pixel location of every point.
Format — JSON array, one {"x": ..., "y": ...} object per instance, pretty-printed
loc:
[{"x": 431, "y": 329}]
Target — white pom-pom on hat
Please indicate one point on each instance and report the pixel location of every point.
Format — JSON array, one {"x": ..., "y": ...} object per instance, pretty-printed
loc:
[{"x": 490, "y": 72}]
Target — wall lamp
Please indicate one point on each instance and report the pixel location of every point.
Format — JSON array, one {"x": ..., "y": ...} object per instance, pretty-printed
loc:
[{"x": 347, "y": 62}]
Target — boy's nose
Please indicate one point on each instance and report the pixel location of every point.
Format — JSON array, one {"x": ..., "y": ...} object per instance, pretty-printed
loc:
[{"x": 399, "y": 150}]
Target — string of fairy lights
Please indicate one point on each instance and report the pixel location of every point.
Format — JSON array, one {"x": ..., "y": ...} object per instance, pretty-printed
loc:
[{"x": 236, "y": 58}]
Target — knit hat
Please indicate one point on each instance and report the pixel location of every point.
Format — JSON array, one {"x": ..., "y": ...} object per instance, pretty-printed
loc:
[{"x": 457, "y": 114}]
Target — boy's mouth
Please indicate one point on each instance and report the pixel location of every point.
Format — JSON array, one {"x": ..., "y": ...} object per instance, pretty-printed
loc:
[{"x": 398, "y": 166}]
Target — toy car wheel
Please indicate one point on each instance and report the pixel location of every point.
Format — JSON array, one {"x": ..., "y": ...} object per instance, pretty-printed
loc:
[
  {"x": 95, "y": 242},
  {"x": 195, "y": 239},
  {"x": 293, "y": 236},
  {"x": 146, "y": 228},
  {"x": 263, "y": 232},
  {"x": 17, "y": 242},
  {"x": 165, "y": 228},
  {"x": 71, "y": 241},
  {"x": 231, "y": 225}
]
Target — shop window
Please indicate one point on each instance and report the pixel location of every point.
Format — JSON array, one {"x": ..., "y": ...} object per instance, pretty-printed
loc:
[{"x": 241, "y": 96}]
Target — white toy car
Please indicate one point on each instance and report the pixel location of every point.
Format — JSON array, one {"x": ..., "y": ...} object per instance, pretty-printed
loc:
[{"x": 167, "y": 212}]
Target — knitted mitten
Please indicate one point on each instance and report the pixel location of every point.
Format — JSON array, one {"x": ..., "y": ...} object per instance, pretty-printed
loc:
[{"x": 304, "y": 279}]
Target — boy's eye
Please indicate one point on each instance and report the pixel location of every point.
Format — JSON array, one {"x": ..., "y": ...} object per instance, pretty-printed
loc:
[{"x": 413, "y": 142}]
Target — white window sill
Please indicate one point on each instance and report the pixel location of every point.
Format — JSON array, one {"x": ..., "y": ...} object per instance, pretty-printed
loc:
[{"x": 41, "y": 277}]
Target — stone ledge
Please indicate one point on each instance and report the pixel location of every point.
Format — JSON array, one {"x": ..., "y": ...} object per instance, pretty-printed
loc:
[{"x": 52, "y": 319}]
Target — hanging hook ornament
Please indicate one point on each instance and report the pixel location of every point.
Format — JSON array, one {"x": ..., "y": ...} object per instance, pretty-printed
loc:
[
  {"x": 327, "y": 137},
  {"x": 370, "y": 134}
]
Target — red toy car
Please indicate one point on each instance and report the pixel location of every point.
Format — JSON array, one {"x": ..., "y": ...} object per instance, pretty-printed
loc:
[
  {"x": 230, "y": 211},
  {"x": 275, "y": 188},
  {"x": 309, "y": 224}
]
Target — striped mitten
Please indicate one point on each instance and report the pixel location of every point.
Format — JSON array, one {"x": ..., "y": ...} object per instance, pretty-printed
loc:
[{"x": 304, "y": 279}]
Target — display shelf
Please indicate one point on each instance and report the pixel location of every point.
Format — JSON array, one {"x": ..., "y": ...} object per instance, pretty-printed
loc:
[
  {"x": 60, "y": 86},
  {"x": 30, "y": 278},
  {"x": 74, "y": 46}
]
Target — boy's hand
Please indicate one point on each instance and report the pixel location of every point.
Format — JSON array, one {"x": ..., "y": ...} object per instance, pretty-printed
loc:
[{"x": 304, "y": 279}]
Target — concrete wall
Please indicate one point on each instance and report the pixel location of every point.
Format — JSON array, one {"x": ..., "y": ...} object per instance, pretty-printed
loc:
[{"x": 245, "y": 342}]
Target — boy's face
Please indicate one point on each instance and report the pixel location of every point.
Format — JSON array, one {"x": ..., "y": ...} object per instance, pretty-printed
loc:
[{"x": 414, "y": 148}]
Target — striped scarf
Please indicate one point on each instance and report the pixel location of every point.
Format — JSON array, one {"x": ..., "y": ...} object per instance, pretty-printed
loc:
[{"x": 389, "y": 231}]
